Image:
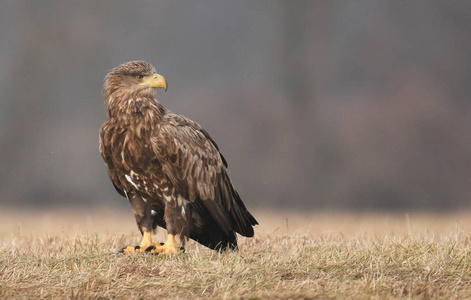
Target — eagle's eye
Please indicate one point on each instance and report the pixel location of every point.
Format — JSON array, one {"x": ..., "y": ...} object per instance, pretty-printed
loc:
[{"x": 139, "y": 76}]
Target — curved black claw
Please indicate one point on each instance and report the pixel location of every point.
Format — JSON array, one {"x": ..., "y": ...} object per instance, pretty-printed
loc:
[
  {"x": 150, "y": 248},
  {"x": 123, "y": 250},
  {"x": 182, "y": 249}
]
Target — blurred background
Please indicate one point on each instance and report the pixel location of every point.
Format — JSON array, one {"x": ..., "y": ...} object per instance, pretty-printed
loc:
[{"x": 322, "y": 105}]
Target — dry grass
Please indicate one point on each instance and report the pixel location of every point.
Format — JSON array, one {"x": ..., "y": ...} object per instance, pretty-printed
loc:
[{"x": 68, "y": 255}]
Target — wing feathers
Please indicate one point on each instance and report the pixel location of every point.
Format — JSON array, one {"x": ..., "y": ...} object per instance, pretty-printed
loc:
[{"x": 192, "y": 161}]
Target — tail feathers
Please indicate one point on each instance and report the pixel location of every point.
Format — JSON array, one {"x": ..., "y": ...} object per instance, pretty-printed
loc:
[
  {"x": 216, "y": 239},
  {"x": 243, "y": 218}
]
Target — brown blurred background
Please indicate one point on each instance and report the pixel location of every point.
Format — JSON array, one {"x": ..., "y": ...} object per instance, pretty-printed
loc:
[{"x": 325, "y": 105}]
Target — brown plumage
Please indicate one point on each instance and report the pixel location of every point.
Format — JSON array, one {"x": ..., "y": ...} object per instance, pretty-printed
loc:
[{"x": 168, "y": 166}]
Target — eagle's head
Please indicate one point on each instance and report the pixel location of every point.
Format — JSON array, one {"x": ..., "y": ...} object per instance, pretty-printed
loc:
[{"x": 132, "y": 79}]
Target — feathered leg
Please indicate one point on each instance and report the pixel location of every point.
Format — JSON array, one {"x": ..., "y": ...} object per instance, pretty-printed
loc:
[
  {"x": 145, "y": 222},
  {"x": 176, "y": 218}
]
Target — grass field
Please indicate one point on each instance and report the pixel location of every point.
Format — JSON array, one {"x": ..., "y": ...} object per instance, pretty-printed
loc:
[{"x": 70, "y": 254}]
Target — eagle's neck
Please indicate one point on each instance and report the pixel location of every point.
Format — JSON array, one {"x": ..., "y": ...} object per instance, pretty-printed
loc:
[
  {"x": 137, "y": 109},
  {"x": 130, "y": 126}
]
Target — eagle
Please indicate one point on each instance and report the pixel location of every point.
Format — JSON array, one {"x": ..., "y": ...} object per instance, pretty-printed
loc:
[{"x": 167, "y": 166}]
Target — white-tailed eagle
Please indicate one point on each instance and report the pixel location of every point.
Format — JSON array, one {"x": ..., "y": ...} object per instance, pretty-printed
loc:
[{"x": 167, "y": 166}]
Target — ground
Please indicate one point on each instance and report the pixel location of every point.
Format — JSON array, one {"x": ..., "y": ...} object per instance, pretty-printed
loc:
[{"x": 70, "y": 254}]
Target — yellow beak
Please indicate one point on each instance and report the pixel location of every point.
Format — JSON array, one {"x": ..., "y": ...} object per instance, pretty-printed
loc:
[{"x": 155, "y": 81}]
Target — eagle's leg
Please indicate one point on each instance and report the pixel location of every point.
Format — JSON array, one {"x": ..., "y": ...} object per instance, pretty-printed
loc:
[
  {"x": 146, "y": 241},
  {"x": 144, "y": 220},
  {"x": 176, "y": 220}
]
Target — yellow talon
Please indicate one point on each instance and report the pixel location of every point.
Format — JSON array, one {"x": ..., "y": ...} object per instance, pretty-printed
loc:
[
  {"x": 146, "y": 243},
  {"x": 168, "y": 248},
  {"x": 127, "y": 250},
  {"x": 147, "y": 246}
]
